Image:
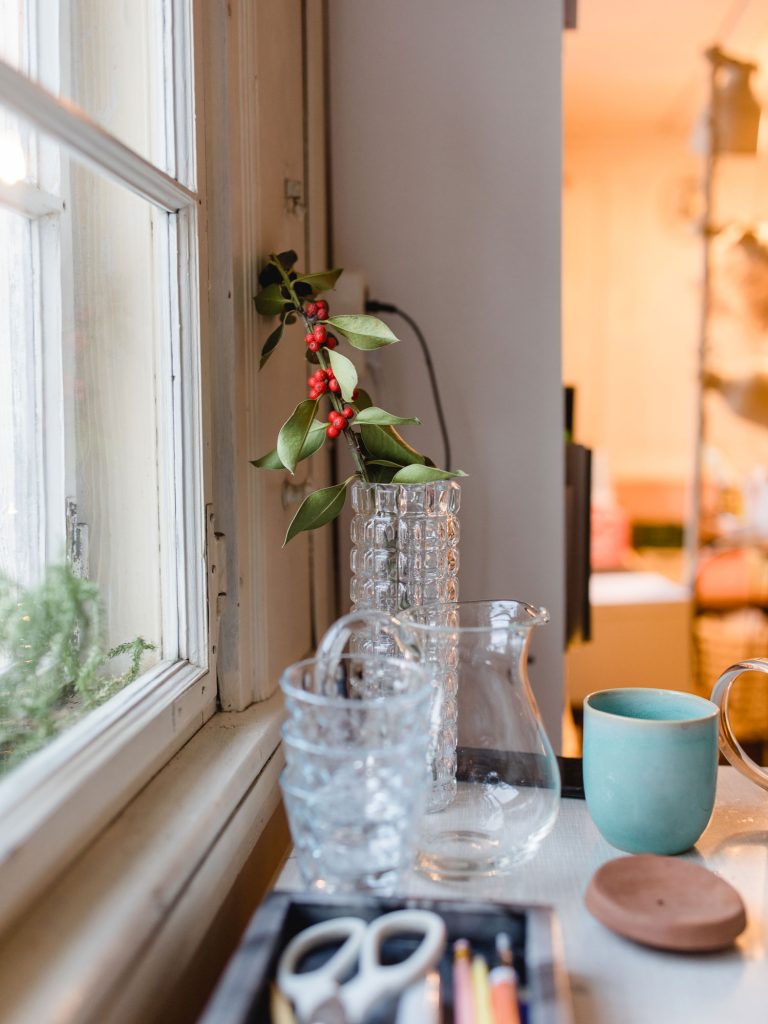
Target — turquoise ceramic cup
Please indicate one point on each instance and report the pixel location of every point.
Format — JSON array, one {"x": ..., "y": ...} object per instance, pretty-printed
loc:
[{"x": 650, "y": 767}]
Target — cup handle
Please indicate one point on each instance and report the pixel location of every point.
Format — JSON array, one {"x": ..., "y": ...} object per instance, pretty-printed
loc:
[
  {"x": 729, "y": 745},
  {"x": 334, "y": 640}
]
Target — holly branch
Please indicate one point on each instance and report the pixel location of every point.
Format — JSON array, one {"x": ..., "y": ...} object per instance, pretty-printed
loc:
[{"x": 379, "y": 453}]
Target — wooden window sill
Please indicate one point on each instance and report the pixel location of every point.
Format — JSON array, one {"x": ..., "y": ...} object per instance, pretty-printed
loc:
[{"x": 116, "y": 932}]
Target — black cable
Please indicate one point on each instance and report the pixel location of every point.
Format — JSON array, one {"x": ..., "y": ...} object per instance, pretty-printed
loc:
[{"x": 374, "y": 306}]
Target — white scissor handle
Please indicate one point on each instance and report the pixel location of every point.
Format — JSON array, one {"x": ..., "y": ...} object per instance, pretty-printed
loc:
[
  {"x": 375, "y": 979},
  {"x": 311, "y": 989}
]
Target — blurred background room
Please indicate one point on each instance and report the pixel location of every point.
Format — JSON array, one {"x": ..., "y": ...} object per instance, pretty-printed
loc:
[{"x": 665, "y": 340}]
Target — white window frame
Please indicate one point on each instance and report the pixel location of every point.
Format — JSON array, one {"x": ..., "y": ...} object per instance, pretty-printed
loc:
[{"x": 60, "y": 799}]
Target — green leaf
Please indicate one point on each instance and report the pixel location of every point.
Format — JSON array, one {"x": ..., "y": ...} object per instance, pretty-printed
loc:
[
  {"x": 269, "y": 275},
  {"x": 324, "y": 281},
  {"x": 345, "y": 373},
  {"x": 380, "y": 474},
  {"x": 271, "y": 343},
  {"x": 318, "y": 508},
  {"x": 293, "y": 433},
  {"x": 384, "y": 443},
  {"x": 314, "y": 442},
  {"x": 270, "y": 300},
  {"x": 418, "y": 474},
  {"x": 380, "y": 418},
  {"x": 361, "y": 331},
  {"x": 363, "y": 400},
  {"x": 287, "y": 259}
]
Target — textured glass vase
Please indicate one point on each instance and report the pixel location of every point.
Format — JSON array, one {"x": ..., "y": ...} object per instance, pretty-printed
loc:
[{"x": 405, "y": 541}]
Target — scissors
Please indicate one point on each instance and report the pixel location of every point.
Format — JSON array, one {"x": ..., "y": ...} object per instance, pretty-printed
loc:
[{"x": 320, "y": 998}]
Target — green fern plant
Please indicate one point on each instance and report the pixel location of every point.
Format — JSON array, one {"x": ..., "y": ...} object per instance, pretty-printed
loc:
[{"x": 52, "y": 660}]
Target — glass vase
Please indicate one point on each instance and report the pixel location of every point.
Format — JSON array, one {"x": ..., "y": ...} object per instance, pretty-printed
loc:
[{"x": 405, "y": 541}]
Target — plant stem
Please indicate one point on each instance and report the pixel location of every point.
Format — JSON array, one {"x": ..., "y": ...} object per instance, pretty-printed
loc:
[{"x": 351, "y": 436}]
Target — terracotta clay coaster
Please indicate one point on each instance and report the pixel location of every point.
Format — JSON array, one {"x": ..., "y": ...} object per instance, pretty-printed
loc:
[{"x": 666, "y": 903}]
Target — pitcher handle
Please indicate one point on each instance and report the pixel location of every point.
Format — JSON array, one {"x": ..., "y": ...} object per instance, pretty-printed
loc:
[
  {"x": 729, "y": 745},
  {"x": 335, "y": 638}
]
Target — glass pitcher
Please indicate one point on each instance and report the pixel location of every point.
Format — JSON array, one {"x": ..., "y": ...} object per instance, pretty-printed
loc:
[
  {"x": 495, "y": 781},
  {"x": 729, "y": 745}
]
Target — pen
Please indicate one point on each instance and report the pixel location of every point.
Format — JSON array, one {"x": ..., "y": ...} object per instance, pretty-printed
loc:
[
  {"x": 463, "y": 1001},
  {"x": 481, "y": 991}
]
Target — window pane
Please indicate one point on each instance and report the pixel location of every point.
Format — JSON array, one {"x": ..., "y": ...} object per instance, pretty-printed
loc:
[
  {"x": 114, "y": 344},
  {"x": 90, "y": 457},
  {"x": 118, "y": 71},
  {"x": 113, "y": 59},
  {"x": 20, "y": 541}
]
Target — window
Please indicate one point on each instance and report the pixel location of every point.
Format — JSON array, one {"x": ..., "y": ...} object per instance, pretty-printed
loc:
[{"x": 100, "y": 397}]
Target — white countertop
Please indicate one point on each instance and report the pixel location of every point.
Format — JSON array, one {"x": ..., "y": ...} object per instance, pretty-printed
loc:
[{"x": 614, "y": 981}]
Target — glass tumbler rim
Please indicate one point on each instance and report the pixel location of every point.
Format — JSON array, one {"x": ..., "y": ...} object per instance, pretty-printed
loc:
[
  {"x": 405, "y": 699},
  {"x": 535, "y": 615}
]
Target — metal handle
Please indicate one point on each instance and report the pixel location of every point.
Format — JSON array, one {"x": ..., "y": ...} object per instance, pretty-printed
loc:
[{"x": 729, "y": 745}]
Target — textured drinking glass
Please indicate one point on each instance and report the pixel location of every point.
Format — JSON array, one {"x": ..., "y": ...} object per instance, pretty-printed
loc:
[
  {"x": 495, "y": 780},
  {"x": 405, "y": 541},
  {"x": 355, "y": 739}
]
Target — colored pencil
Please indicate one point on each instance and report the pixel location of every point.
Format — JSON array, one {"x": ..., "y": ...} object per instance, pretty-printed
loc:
[
  {"x": 481, "y": 991},
  {"x": 503, "y": 983},
  {"x": 463, "y": 1001}
]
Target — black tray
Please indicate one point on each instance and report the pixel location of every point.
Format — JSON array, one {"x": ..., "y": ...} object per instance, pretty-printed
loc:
[{"x": 242, "y": 996}]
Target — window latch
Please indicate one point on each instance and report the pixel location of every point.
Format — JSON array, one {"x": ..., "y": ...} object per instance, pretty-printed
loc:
[{"x": 77, "y": 541}]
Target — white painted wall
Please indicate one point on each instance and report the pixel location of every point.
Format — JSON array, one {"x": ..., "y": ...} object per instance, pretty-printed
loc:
[{"x": 446, "y": 186}]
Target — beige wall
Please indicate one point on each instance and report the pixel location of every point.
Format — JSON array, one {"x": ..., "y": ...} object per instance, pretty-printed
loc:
[{"x": 446, "y": 183}]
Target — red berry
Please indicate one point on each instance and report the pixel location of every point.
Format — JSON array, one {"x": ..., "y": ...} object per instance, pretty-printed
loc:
[
  {"x": 322, "y": 309},
  {"x": 311, "y": 309},
  {"x": 332, "y": 431},
  {"x": 313, "y": 346},
  {"x": 331, "y": 342},
  {"x": 319, "y": 332},
  {"x": 313, "y": 394},
  {"x": 355, "y": 393},
  {"x": 334, "y": 385},
  {"x": 349, "y": 413},
  {"x": 309, "y": 338}
]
